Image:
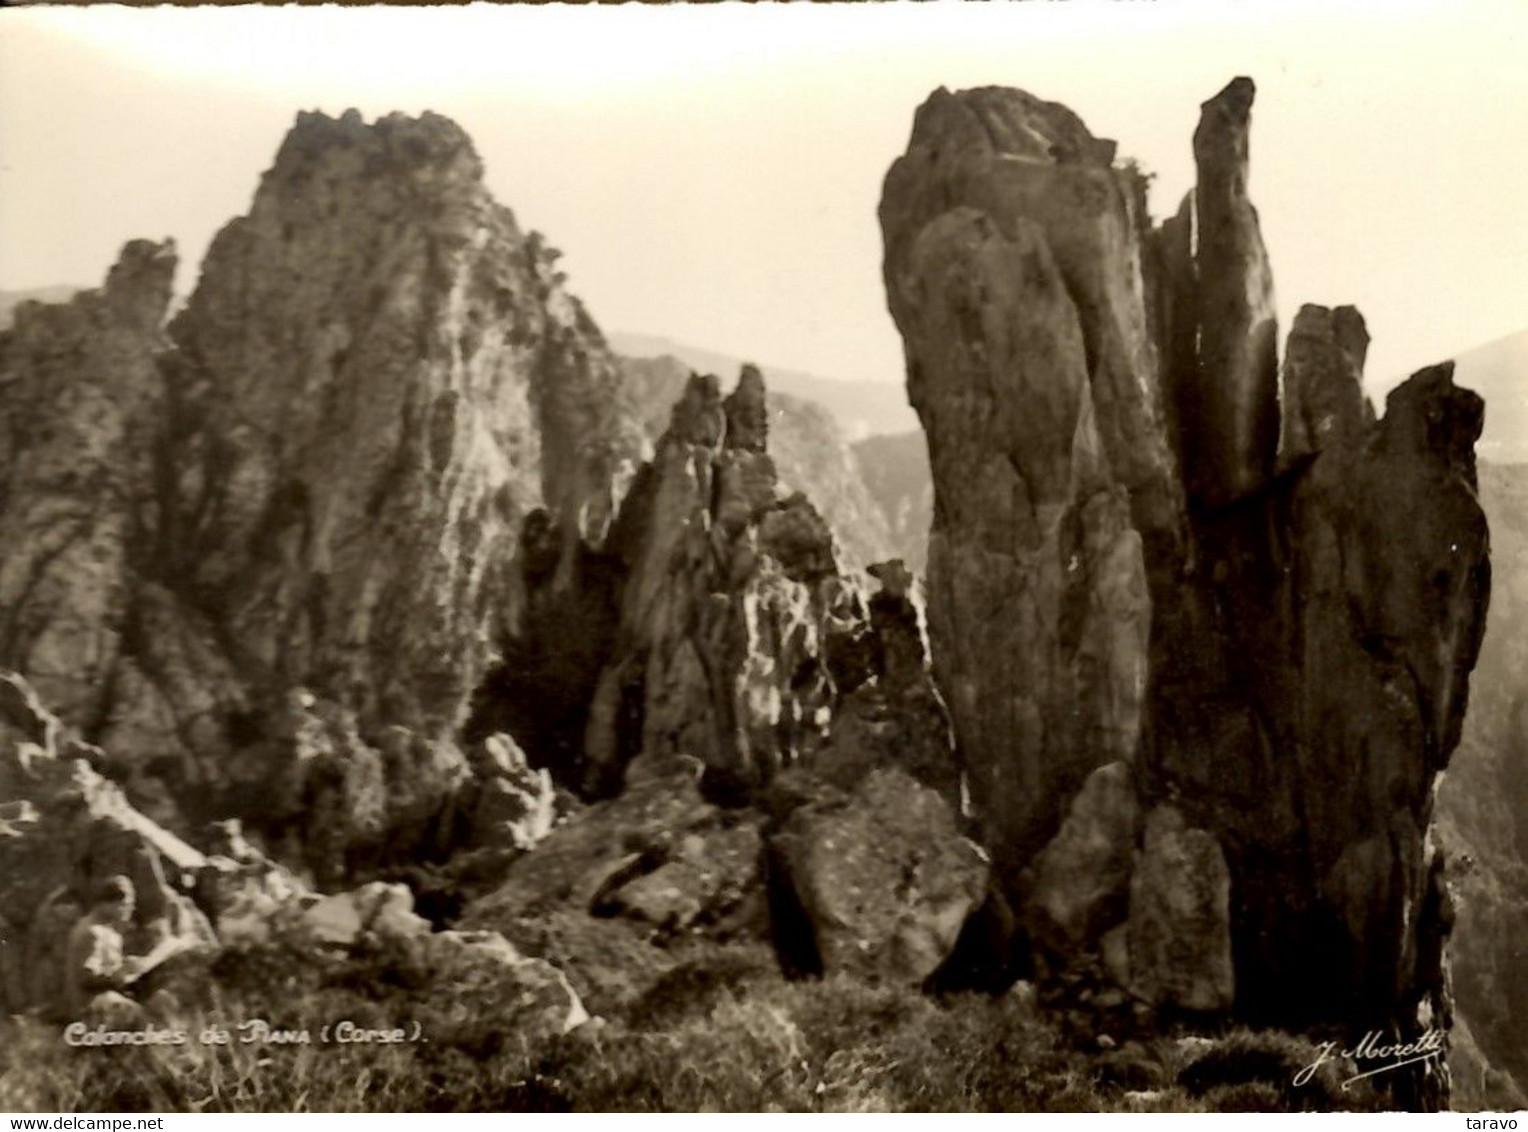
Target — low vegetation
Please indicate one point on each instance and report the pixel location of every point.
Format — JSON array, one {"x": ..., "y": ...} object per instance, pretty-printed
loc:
[{"x": 716, "y": 1035}]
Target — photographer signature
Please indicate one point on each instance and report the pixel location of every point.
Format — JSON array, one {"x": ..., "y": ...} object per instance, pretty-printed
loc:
[{"x": 1424, "y": 1048}]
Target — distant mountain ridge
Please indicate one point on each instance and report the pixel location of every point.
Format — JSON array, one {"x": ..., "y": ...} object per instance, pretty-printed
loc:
[
  {"x": 1498, "y": 371},
  {"x": 862, "y": 408}
]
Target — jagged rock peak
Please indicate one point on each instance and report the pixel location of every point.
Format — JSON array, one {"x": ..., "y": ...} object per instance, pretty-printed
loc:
[
  {"x": 428, "y": 144},
  {"x": 1010, "y": 122},
  {"x": 1429, "y": 415},
  {"x": 748, "y": 412},
  {"x": 1022, "y": 177},
  {"x": 1224, "y": 119},
  {"x": 393, "y": 374},
  {"x": 1013, "y": 272},
  {"x": 134, "y": 298},
  {"x": 740, "y": 421},
  {"x": 1324, "y": 402},
  {"x": 1228, "y": 392},
  {"x": 1034, "y": 305},
  {"x": 698, "y": 417},
  {"x": 140, "y": 284},
  {"x": 1222, "y": 140}
]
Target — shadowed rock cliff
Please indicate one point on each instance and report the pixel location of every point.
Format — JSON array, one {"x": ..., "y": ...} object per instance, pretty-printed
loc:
[
  {"x": 1119, "y": 576},
  {"x": 80, "y": 393}
]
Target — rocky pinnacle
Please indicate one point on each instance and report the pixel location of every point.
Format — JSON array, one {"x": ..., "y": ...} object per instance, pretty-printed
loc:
[{"x": 1159, "y": 633}]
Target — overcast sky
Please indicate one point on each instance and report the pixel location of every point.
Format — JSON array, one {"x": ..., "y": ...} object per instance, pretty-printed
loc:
[{"x": 712, "y": 173}]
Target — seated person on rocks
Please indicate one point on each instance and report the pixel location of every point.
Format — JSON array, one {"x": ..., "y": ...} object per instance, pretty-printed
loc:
[{"x": 95, "y": 961}]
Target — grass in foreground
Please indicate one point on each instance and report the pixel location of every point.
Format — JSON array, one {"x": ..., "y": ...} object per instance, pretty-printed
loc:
[{"x": 716, "y": 1035}]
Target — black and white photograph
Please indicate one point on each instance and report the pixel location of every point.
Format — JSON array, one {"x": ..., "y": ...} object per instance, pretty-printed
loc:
[{"x": 786, "y": 557}]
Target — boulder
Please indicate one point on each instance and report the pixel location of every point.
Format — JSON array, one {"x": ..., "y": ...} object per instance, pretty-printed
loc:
[
  {"x": 610, "y": 894},
  {"x": 509, "y": 803},
  {"x": 384, "y": 911},
  {"x": 882, "y": 877},
  {"x": 1179, "y": 930},
  {"x": 1082, "y": 877},
  {"x": 479, "y": 976},
  {"x": 581, "y": 860}
]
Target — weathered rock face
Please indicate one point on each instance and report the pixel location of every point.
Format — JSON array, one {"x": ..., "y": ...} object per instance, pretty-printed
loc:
[
  {"x": 882, "y": 877},
  {"x": 1311, "y": 632},
  {"x": 810, "y": 452},
  {"x": 1366, "y": 575},
  {"x": 732, "y": 591},
  {"x": 1343, "y": 605},
  {"x": 1178, "y": 934},
  {"x": 314, "y": 487},
  {"x": 350, "y": 500},
  {"x": 1324, "y": 402},
  {"x": 80, "y": 389},
  {"x": 781, "y": 766},
  {"x": 1227, "y": 392},
  {"x": 1046, "y": 421},
  {"x": 701, "y": 626},
  {"x": 1037, "y": 174}
]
